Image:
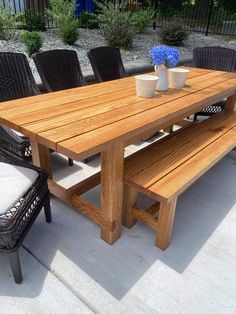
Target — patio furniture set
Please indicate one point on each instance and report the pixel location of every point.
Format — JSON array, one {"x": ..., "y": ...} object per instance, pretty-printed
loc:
[{"x": 79, "y": 121}]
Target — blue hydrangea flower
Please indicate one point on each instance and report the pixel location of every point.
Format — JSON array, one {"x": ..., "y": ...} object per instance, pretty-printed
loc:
[{"x": 164, "y": 55}]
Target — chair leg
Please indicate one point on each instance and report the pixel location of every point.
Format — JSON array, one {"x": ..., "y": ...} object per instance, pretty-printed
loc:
[
  {"x": 165, "y": 224},
  {"x": 47, "y": 209},
  {"x": 71, "y": 162},
  {"x": 195, "y": 117},
  {"x": 14, "y": 261},
  {"x": 129, "y": 202}
]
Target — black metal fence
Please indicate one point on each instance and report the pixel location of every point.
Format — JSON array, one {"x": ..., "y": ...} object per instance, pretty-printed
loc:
[{"x": 205, "y": 16}]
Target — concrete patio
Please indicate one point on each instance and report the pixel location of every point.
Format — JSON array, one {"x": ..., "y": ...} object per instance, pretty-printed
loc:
[{"x": 68, "y": 269}]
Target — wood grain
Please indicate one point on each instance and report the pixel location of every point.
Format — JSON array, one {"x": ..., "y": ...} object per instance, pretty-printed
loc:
[
  {"x": 230, "y": 103},
  {"x": 183, "y": 176},
  {"x": 165, "y": 224},
  {"x": 129, "y": 203},
  {"x": 41, "y": 157},
  {"x": 185, "y": 148},
  {"x": 112, "y": 165},
  {"x": 94, "y": 141}
]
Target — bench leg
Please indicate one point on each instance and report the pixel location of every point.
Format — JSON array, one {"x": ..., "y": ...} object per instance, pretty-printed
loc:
[
  {"x": 129, "y": 202},
  {"x": 14, "y": 261},
  {"x": 165, "y": 224},
  {"x": 169, "y": 129}
]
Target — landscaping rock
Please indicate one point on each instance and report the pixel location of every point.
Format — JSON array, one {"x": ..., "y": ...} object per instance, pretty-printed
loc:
[{"x": 93, "y": 38}]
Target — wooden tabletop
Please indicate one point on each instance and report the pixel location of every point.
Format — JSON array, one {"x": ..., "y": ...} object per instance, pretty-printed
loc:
[{"x": 82, "y": 121}]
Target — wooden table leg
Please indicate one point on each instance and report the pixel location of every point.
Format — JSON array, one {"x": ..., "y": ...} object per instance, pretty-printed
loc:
[
  {"x": 41, "y": 157},
  {"x": 230, "y": 103},
  {"x": 112, "y": 166}
]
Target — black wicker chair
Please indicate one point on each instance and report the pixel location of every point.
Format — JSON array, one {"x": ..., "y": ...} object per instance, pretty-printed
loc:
[
  {"x": 59, "y": 69},
  {"x": 19, "y": 207},
  {"x": 214, "y": 58},
  {"x": 106, "y": 63},
  {"x": 16, "y": 81}
]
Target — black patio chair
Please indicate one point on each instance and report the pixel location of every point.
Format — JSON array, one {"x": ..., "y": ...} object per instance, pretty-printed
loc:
[
  {"x": 106, "y": 63},
  {"x": 20, "y": 206},
  {"x": 214, "y": 58},
  {"x": 16, "y": 81},
  {"x": 59, "y": 69}
]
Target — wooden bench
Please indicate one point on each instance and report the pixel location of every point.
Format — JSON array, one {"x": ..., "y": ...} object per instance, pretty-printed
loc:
[{"x": 168, "y": 167}]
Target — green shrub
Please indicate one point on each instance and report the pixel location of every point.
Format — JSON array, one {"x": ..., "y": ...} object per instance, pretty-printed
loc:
[
  {"x": 141, "y": 19},
  {"x": 116, "y": 24},
  {"x": 33, "y": 41},
  {"x": 7, "y": 24},
  {"x": 32, "y": 21},
  {"x": 173, "y": 34},
  {"x": 88, "y": 20},
  {"x": 68, "y": 32},
  {"x": 62, "y": 12}
]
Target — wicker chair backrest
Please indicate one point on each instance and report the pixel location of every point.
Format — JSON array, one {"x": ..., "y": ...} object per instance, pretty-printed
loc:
[
  {"x": 59, "y": 69},
  {"x": 215, "y": 58},
  {"x": 16, "y": 78},
  {"x": 106, "y": 63}
]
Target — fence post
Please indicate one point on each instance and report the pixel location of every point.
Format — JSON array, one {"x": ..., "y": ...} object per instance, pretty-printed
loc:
[
  {"x": 209, "y": 16},
  {"x": 155, "y": 16}
]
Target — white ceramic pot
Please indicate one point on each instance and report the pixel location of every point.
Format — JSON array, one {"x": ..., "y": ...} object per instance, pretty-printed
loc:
[
  {"x": 161, "y": 72},
  {"x": 178, "y": 77},
  {"x": 145, "y": 85}
]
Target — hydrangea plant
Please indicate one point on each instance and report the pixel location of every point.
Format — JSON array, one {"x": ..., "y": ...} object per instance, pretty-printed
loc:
[{"x": 163, "y": 55}]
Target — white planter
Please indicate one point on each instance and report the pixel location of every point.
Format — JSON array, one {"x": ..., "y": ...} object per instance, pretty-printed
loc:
[
  {"x": 145, "y": 85},
  {"x": 161, "y": 73},
  {"x": 178, "y": 77}
]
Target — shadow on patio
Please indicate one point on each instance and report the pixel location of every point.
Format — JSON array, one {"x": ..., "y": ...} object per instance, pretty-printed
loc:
[{"x": 71, "y": 247}]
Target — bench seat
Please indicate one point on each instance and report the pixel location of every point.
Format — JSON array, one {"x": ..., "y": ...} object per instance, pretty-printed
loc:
[{"x": 168, "y": 167}]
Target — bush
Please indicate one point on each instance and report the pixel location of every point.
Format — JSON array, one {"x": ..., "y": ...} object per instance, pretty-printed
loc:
[
  {"x": 33, "y": 21},
  {"x": 33, "y": 41},
  {"x": 7, "y": 24},
  {"x": 68, "y": 32},
  {"x": 116, "y": 24},
  {"x": 63, "y": 12},
  {"x": 141, "y": 19},
  {"x": 88, "y": 20},
  {"x": 173, "y": 34}
]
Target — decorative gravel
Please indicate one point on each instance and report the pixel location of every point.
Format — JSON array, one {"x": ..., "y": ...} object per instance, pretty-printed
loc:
[{"x": 93, "y": 38}]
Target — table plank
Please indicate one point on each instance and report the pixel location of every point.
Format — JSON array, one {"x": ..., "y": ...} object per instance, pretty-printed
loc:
[
  {"x": 79, "y": 97},
  {"x": 91, "y": 142},
  {"x": 53, "y": 99},
  {"x": 127, "y": 103},
  {"x": 68, "y": 126},
  {"x": 65, "y": 109},
  {"x": 67, "y": 95}
]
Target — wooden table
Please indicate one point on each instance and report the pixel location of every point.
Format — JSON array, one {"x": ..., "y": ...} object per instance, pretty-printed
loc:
[{"x": 105, "y": 118}]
